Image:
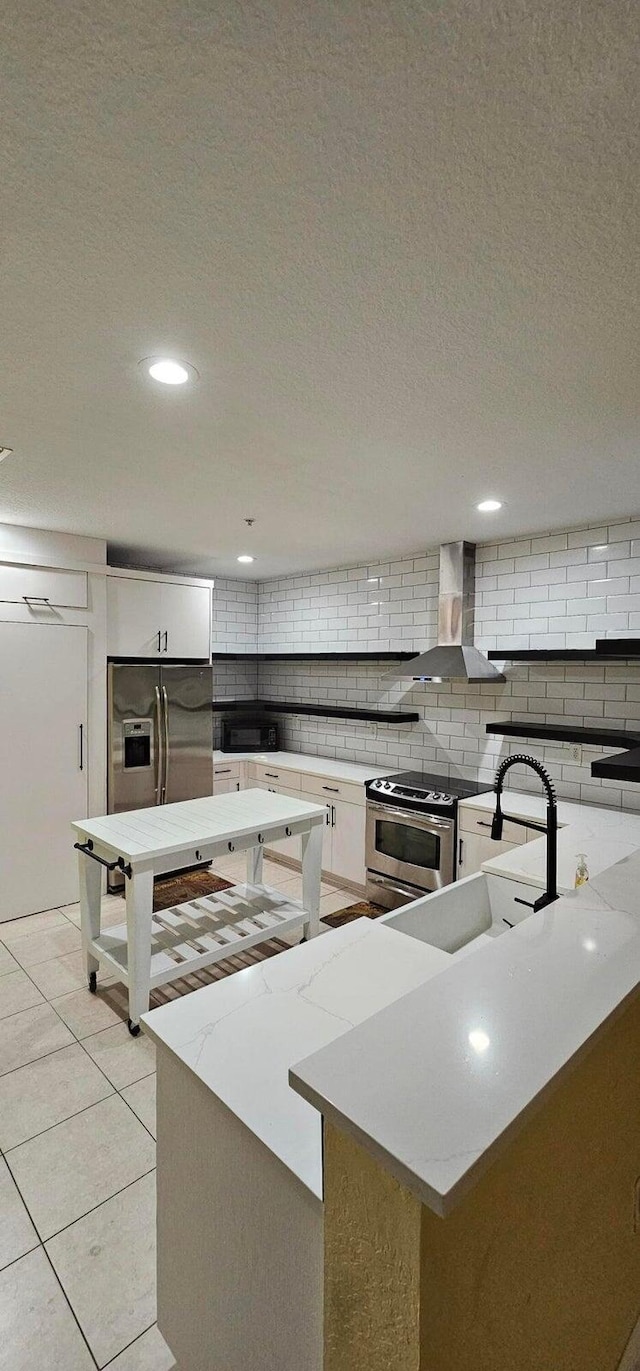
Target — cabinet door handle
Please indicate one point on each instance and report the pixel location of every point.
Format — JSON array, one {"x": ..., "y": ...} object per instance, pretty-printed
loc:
[
  {"x": 328, "y": 818},
  {"x": 333, "y": 816},
  {"x": 460, "y": 846},
  {"x": 166, "y": 641},
  {"x": 81, "y": 740},
  {"x": 481, "y": 823},
  {"x": 273, "y": 775},
  {"x": 159, "y": 649},
  {"x": 223, "y": 771},
  {"x": 332, "y": 789}
]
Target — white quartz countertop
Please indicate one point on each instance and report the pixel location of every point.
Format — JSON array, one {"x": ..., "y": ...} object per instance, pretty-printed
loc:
[
  {"x": 241, "y": 1035},
  {"x": 605, "y": 836},
  {"x": 332, "y": 767},
  {"x": 436, "y": 1083},
  {"x": 164, "y": 829}
]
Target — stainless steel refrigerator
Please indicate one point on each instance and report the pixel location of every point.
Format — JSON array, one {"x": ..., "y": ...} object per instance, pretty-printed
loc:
[{"x": 160, "y": 734}]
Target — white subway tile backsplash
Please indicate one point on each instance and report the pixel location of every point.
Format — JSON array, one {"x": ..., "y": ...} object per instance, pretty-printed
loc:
[{"x": 538, "y": 592}]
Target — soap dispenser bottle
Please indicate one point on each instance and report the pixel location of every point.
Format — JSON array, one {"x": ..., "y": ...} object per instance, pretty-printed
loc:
[{"x": 582, "y": 870}]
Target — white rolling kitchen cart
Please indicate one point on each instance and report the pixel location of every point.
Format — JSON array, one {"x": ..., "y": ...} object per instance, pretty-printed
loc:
[{"x": 150, "y": 949}]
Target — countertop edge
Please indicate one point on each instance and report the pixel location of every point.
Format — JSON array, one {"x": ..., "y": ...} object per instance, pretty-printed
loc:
[{"x": 444, "y": 1202}]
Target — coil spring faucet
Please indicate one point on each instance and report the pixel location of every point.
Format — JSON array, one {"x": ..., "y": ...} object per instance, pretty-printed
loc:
[{"x": 550, "y": 828}]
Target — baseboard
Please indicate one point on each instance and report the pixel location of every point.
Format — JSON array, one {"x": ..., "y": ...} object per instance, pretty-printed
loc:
[
  {"x": 631, "y": 1355},
  {"x": 328, "y": 876}
]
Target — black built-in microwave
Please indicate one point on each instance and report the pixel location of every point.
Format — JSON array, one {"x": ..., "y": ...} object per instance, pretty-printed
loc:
[{"x": 249, "y": 735}]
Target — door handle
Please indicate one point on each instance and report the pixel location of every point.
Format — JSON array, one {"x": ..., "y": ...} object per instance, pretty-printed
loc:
[
  {"x": 460, "y": 847},
  {"x": 165, "y": 702},
  {"x": 166, "y": 641},
  {"x": 81, "y": 742},
  {"x": 333, "y": 816},
  {"x": 397, "y": 889},
  {"x": 160, "y": 744}
]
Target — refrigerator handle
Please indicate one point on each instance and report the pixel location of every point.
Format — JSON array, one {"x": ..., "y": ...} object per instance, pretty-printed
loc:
[
  {"x": 159, "y": 749},
  {"x": 166, "y": 743}
]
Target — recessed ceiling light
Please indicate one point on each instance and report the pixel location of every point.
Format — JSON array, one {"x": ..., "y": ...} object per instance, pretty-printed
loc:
[
  {"x": 489, "y": 506},
  {"x": 169, "y": 372},
  {"x": 479, "y": 1040},
  {"x": 245, "y": 557},
  {"x": 5, "y": 452}
]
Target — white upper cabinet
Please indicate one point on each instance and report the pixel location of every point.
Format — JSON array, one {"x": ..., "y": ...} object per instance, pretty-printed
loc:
[
  {"x": 158, "y": 619},
  {"x": 41, "y": 587}
]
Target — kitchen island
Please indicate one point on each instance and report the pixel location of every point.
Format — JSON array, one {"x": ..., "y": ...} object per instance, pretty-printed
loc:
[
  {"x": 152, "y": 950},
  {"x": 482, "y": 1150}
]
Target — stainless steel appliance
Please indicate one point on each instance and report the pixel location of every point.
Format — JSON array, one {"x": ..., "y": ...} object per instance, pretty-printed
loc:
[
  {"x": 249, "y": 735},
  {"x": 411, "y": 835},
  {"x": 159, "y": 734},
  {"x": 454, "y": 658}
]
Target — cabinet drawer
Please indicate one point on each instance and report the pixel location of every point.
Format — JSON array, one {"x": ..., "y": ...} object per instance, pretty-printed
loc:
[
  {"x": 43, "y": 586},
  {"x": 328, "y": 789},
  {"x": 275, "y": 775},
  {"x": 479, "y": 821},
  {"x": 226, "y": 771}
]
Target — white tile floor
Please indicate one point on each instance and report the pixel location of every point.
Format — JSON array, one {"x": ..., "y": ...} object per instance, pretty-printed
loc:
[{"x": 77, "y": 1151}]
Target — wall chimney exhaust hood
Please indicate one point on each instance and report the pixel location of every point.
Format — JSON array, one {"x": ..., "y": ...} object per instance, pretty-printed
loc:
[{"x": 454, "y": 658}]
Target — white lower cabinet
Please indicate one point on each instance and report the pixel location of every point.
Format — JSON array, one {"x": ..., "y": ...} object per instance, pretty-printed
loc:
[
  {"x": 227, "y": 777},
  {"x": 347, "y": 830},
  {"x": 43, "y": 745},
  {"x": 475, "y": 844},
  {"x": 344, "y": 829},
  {"x": 474, "y": 849}
]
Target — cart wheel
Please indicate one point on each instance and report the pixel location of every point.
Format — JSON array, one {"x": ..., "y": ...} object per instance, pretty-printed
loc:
[
  {"x": 134, "y": 1028},
  {"x": 93, "y": 982}
]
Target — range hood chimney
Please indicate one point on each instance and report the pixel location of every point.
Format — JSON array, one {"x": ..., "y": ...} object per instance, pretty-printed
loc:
[{"x": 454, "y": 658}]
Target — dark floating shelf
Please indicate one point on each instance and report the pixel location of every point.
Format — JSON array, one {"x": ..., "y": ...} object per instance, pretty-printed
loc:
[
  {"x": 312, "y": 656},
  {"x": 625, "y": 766},
  {"x": 561, "y": 654},
  {"x": 377, "y": 716},
  {"x": 561, "y": 733},
  {"x": 625, "y": 647}
]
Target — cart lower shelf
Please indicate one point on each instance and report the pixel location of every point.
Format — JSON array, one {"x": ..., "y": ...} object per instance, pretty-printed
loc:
[{"x": 203, "y": 931}]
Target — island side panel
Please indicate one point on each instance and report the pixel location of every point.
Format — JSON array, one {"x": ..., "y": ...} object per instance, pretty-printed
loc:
[
  {"x": 537, "y": 1267},
  {"x": 240, "y": 1239},
  {"x": 372, "y": 1263}
]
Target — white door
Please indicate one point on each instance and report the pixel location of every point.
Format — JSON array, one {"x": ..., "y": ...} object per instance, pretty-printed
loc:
[
  {"x": 348, "y": 841},
  {"x": 186, "y": 620},
  {"x": 43, "y": 703},
  {"x": 135, "y": 615},
  {"x": 474, "y": 849}
]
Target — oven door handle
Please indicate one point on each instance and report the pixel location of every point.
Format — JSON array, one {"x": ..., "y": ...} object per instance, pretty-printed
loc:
[
  {"x": 398, "y": 889},
  {"x": 410, "y": 816}
]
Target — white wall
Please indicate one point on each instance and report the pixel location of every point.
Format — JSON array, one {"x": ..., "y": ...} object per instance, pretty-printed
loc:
[{"x": 560, "y": 590}]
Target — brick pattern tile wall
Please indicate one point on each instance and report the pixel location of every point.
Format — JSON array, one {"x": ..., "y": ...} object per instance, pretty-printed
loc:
[
  {"x": 557, "y": 590},
  {"x": 235, "y": 629}
]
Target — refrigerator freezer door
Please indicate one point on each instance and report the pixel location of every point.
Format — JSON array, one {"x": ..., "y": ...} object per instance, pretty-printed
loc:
[
  {"x": 134, "y": 742},
  {"x": 188, "y": 764}
]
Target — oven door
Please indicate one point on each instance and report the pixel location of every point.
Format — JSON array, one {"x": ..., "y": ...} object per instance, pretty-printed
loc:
[{"x": 406, "y": 847}]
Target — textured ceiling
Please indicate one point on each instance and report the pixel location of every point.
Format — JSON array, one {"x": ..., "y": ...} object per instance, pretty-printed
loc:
[{"x": 399, "y": 242}]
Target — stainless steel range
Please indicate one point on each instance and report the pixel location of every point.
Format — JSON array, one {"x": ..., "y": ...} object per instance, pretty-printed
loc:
[{"x": 411, "y": 835}]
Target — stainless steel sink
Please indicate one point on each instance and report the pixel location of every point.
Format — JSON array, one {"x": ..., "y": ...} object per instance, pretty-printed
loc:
[{"x": 478, "y": 907}]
